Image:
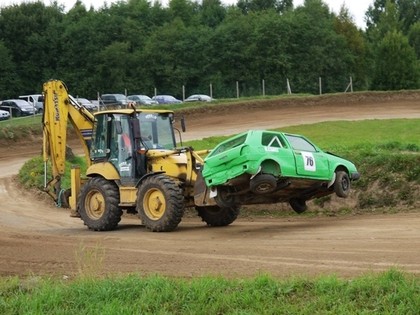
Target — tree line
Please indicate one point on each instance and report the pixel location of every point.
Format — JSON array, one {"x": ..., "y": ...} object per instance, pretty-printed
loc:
[{"x": 139, "y": 46}]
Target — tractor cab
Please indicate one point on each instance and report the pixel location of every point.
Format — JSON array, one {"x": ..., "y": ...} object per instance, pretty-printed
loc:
[{"x": 123, "y": 137}]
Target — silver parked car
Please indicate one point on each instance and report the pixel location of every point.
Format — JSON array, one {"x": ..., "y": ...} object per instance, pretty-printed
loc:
[
  {"x": 199, "y": 98},
  {"x": 140, "y": 99},
  {"x": 86, "y": 103},
  {"x": 166, "y": 99},
  {"x": 36, "y": 100}
]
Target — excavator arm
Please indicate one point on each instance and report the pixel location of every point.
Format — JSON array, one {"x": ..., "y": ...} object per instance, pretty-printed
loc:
[{"x": 59, "y": 109}]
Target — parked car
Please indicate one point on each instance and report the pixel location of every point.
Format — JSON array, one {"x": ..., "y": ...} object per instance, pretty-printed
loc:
[
  {"x": 199, "y": 98},
  {"x": 36, "y": 100},
  {"x": 141, "y": 99},
  {"x": 268, "y": 166},
  {"x": 17, "y": 107},
  {"x": 86, "y": 103},
  {"x": 114, "y": 100},
  {"x": 166, "y": 99},
  {"x": 4, "y": 115}
]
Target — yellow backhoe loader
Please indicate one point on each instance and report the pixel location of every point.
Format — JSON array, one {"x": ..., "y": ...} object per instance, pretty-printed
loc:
[{"x": 133, "y": 165}]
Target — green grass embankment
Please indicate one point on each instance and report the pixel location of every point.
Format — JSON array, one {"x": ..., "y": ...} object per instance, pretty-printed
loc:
[{"x": 391, "y": 292}]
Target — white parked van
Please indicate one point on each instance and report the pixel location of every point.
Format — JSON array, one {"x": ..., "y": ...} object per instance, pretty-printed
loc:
[{"x": 36, "y": 100}]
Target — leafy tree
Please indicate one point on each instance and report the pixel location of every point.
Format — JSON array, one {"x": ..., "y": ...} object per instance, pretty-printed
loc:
[
  {"x": 113, "y": 66},
  {"x": 175, "y": 55},
  {"x": 279, "y": 6},
  {"x": 408, "y": 13},
  {"x": 396, "y": 64},
  {"x": 85, "y": 35},
  {"x": 212, "y": 13},
  {"x": 232, "y": 51},
  {"x": 271, "y": 60},
  {"x": 316, "y": 50},
  {"x": 357, "y": 65},
  {"x": 414, "y": 38},
  {"x": 9, "y": 80},
  {"x": 183, "y": 10},
  {"x": 30, "y": 32}
]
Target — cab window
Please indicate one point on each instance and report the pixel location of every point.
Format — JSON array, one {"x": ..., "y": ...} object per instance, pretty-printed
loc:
[{"x": 99, "y": 137}]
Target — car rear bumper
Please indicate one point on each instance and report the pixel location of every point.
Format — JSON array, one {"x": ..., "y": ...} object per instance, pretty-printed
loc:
[{"x": 355, "y": 176}]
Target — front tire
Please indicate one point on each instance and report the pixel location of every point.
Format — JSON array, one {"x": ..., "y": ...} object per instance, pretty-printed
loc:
[
  {"x": 342, "y": 184},
  {"x": 160, "y": 203},
  {"x": 298, "y": 205},
  {"x": 218, "y": 216},
  {"x": 98, "y": 204}
]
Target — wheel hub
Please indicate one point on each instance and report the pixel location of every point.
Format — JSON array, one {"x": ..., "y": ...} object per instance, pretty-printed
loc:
[
  {"x": 154, "y": 204},
  {"x": 95, "y": 204}
]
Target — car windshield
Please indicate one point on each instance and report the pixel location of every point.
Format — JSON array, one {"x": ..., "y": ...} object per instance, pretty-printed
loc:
[
  {"x": 23, "y": 104},
  {"x": 120, "y": 97}
]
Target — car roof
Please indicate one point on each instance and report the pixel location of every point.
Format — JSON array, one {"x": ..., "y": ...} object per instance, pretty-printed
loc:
[
  {"x": 30, "y": 95},
  {"x": 139, "y": 95},
  {"x": 18, "y": 101}
]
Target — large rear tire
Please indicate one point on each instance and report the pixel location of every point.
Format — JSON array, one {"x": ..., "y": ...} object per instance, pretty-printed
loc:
[
  {"x": 98, "y": 204},
  {"x": 160, "y": 203},
  {"x": 218, "y": 216}
]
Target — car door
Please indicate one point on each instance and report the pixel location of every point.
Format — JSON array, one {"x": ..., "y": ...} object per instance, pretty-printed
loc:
[{"x": 309, "y": 161}]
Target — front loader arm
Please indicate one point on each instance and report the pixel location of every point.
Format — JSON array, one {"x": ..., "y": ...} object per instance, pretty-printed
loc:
[{"x": 59, "y": 108}]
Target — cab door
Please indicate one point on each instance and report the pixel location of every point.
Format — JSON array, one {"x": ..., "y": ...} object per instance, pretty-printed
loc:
[{"x": 310, "y": 162}]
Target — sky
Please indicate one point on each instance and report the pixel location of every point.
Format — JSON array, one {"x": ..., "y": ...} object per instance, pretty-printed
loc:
[{"x": 357, "y": 8}]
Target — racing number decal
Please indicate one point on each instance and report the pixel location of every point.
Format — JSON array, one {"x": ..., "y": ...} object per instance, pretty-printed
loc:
[{"x": 309, "y": 162}]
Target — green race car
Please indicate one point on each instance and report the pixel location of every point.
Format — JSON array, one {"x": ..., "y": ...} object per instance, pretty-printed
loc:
[{"x": 261, "y": 166}]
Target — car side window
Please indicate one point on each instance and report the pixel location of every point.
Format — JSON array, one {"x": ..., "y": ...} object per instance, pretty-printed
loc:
[
  {"x": 272, "y": 140},
  {"x": 300, "y": 144}
]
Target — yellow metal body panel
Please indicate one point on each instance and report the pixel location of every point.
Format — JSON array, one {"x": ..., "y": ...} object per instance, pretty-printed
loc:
[
  {"x": 128, "y": 196},
  {"x": 75, "y": 186},
  {"x": 104, "y": 169}
]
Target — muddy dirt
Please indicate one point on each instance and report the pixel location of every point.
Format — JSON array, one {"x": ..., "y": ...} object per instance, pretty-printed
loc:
[{"x": 38, "y": 238}]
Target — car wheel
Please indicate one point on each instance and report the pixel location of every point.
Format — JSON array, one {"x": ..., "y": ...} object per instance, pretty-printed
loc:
[
  {"x": 342, "y": 184},
  {"x": 263, "y": 184},
  {"x": 298, "y": 205},
  {"x": 223, "y": 198},
  {"x": 218, "y": 216}
]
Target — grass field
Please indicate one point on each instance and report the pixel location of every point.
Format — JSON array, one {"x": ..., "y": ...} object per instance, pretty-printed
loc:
[
  {"x": 391, "y": 292},
  {"x": 343, "y": 135}
]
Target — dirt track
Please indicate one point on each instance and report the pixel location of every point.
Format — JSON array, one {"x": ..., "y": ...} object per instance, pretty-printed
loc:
[{"x": 38, "y": 238}]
